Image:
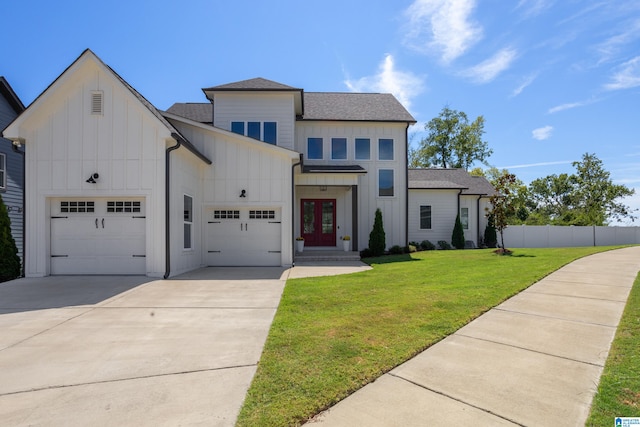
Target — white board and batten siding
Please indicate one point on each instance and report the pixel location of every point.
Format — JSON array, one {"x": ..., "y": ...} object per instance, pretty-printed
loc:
[
  {"x": 393, "y": 208},
  {"x": 66, "y": 144},
  {"x": 250, "y": 230},
  {"x": 258, "y": 107},
  {"x": 444, "y": 205}
]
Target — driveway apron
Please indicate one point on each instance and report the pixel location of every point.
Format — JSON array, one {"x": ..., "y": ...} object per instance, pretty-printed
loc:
[{"x": 127, "y": 350}]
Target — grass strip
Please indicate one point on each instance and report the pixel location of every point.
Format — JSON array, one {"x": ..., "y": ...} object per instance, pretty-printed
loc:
[
  {"x": 618, "y": 394},
  {"x": 333, "y": 335}
]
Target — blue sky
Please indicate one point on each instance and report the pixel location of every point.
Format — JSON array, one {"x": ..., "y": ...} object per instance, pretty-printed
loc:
[{"x": 553, "y": 78}]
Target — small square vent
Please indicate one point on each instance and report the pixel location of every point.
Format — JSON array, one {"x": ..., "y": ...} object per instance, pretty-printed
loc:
[{"x": 97, "y": 102}]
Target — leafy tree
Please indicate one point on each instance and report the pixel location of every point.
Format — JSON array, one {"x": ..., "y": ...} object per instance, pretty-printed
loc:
[
  {"x": 595, "y": 195},
  {"x": 502, "y": 204},
  {"x": 9, "y": 259},
  {"x": 452, "y": 142},
  {"x": 521, "y": 198},
  {"x": 377, "y": 238},
  {"x": 588, "y": 197},
  {"x": 457, "y": 237}
]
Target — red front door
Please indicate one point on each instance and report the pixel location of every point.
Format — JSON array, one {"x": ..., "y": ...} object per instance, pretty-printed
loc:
[{"x": 318, "y": 222}]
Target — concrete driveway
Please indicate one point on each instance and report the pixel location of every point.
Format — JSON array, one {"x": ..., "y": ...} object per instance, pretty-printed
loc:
[{"x": 125, "y": 350}]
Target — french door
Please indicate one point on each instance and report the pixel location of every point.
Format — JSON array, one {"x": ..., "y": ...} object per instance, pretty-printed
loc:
[{"x": 318, "y": 222}]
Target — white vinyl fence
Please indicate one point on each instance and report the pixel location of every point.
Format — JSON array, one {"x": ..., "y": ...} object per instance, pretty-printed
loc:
[{"x": 557, "y": 236}]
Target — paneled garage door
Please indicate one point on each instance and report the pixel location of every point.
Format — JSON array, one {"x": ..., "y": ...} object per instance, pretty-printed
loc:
[
  {"x": 250, "y": 237},
  {"x": 98, "y": 236}
]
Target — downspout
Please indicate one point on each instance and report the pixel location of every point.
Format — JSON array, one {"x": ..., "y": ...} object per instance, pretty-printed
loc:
[
  {"x": 293, "y": 206},
  {"x": 406, "y": 186},
  {"x": 478, "y": 220},
  {"x": 16, "y": 148},
  {"x": 167, "y": 210}
]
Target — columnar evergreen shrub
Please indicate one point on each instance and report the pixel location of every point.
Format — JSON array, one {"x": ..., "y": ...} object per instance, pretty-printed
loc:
[
  {"x": 457, "y": 237},
  {"x": 9, "y": 259},
  {"x": 377, "y": 238},
  {"x": 490, "y": 235}
]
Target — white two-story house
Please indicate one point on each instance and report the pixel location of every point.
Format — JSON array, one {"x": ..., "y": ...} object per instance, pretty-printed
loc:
[{"x": 113, "y": 185}]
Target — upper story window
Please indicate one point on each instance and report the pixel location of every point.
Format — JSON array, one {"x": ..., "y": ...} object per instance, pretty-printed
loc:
[
  {"x": 3, "y": 171},
  {"x": 385, "y": 183},
  {"x": 385, "y": 149},
  {"x": 263, "y": 131},
  {"x": 314, "y": 149},
  {"x": 339, "y": 148},
  {"x": 363, "y": 149}
]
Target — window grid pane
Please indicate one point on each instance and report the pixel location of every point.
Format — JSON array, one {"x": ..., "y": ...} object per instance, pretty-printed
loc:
[
  {"x": 253, "y": 130},
  {"x": 314, "y": 148},
  {"x": 224, "y": 214},
  {"x": 425, "y": 217},
  {"x": 385, "y": 183},
  {"x": 339, "y": 148},
  {"x": 237, "y": 127},
  {"x": 3, "y": 173},
  {"x": 385, "y": 149},
  {"x": 464, "y": 218},
  {"x": 363, "y": 149},
  {"x": 271, "y": 133}
]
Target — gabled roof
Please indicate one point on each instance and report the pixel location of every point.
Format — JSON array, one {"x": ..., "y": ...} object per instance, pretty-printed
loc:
[
  {"x": 258, "y": 84},
  {"x": 450, "y": 179},
  {"x": 7, "y": 92},
  {"x": 201, "y": 112},
  {"x": 89, "y": 54},
  {"x": 339, "y": 106}
]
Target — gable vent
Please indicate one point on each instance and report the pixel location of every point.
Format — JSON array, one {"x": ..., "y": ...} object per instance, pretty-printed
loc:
[{"x": 97, "y": 102}]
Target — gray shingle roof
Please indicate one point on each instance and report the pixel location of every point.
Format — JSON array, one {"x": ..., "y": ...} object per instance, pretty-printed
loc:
[
  {"x": 377, "y": 107},
  {"x": 441, "y": 179},
  {"x": 201, "y": 112},
  {"x": 253, "y": 84}
]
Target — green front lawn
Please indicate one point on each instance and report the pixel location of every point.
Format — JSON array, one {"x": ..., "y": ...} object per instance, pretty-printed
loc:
[
  {"x": 619, "y": 390},
  {"x": 332, "y": 335}
]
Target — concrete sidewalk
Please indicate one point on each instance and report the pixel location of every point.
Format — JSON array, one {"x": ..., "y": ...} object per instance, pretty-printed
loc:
[{"x": 536, "y": 359}]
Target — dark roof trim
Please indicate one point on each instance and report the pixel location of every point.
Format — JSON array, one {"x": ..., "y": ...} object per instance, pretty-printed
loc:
[
  {"x": 7, "y": 91},
  {"x": 302, "y": 119},
  {"x": 189, "y": 146},
  {"x": 333, "y": 169},
  {"x": 257, "y": 84}
]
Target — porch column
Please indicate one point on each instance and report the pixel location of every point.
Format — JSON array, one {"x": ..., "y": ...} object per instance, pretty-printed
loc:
[{"x": 354, "y": 217}]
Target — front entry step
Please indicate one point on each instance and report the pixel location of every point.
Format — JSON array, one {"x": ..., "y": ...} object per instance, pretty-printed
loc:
[{"x": 324, "y": 255}]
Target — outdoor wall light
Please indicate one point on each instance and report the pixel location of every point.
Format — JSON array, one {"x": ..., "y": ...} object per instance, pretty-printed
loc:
[
  {"x": 243, "y": 193},
  {"x": 93, "y": 178}
]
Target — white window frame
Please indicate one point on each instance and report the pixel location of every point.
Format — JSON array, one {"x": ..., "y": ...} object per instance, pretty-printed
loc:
[
  {"x": 245, "y": 129},
  {"x": 3, "y": 171},
  {"x": 393, "y": 148},
  {"x": 355, "y": 148},
  {"x": 393, "y": 175},
  {"x": 346, "y": 148},
  {"x": 187, "y": 224},
  {"x": 465, "y": 224},
  {"x": 430, "y": 217}
]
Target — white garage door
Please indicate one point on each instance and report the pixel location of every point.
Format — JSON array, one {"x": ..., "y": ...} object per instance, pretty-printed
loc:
[
  {"x": 98, "y": 236},
  {"x": 249, "y": 237}
]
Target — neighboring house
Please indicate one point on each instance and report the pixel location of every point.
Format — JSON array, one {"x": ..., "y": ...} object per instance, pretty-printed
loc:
[
  {"x": 12, "y": 165},
  {"x": 116, "y": 186},
  {"x": 435, "y": 198}
]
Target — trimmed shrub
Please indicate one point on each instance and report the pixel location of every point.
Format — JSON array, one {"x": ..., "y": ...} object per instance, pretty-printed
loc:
[
  {"x": 490, "y": 235},
  {"x": 411, "y": 249},
  {"x": 415, "y": 245},
  {"x": 377, "y": 238},
  {"x": 444, "y": 245},
  {"x": 457, "y": 237},
  {"x": 366, "y": 253},
  {"x": 9, "y": 259},
  {"x": 427, "y": 245},
  {"x": 396, "y": 250}
]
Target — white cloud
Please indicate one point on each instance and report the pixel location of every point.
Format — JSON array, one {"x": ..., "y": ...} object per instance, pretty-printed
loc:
[
  {"x": 563, "y": 107},
  {"x": 535, "y": 165},
  {"x": 489, "y": 69},
  {"x": 542, "y": 133},
  {"x": 525, "y": 82},
  {"x": 533, "y": 8},
  {"x": 628, "y": 76},
  {"x": 442, "y": 26},
  {"x": 611, "y": 47},
  {"x": 402, "y": 84}
]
